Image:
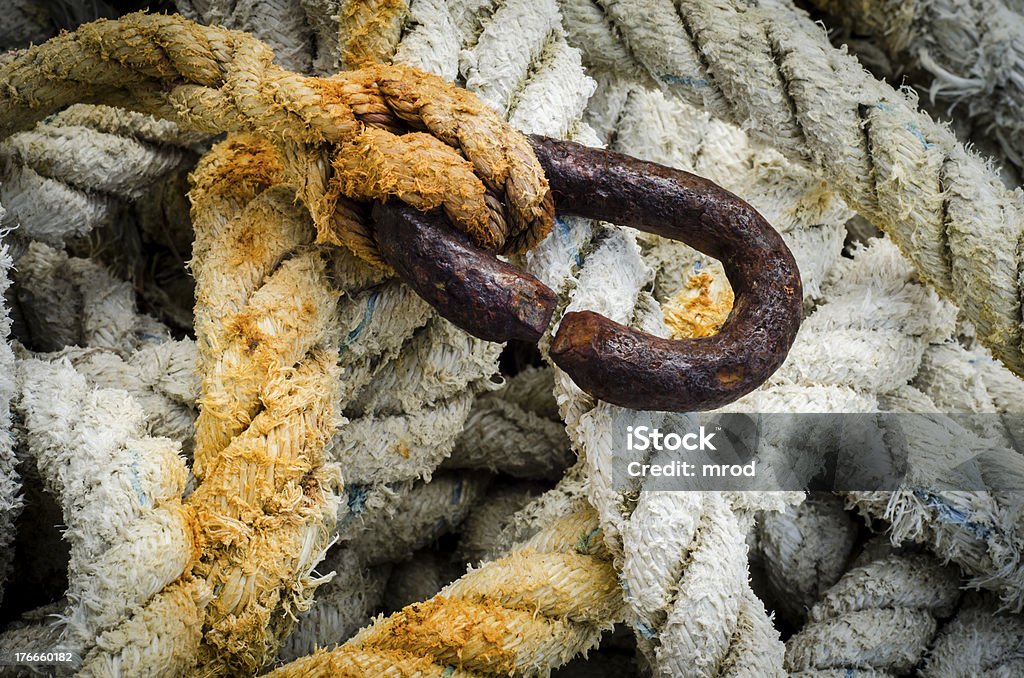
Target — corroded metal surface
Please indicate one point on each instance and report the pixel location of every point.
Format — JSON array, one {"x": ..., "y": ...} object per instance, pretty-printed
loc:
[{"x": 496, "y": 301}]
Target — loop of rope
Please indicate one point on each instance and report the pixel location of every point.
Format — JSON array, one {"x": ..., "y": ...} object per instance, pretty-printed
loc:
[{"x": 879, "y": 616}]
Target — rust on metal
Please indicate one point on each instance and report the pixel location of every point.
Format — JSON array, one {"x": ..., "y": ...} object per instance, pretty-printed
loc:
[
  {"x": 481, "y": 294},
  {"x": 610, "y": 361}
]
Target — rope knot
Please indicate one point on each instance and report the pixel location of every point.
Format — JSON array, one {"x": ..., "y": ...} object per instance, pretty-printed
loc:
[{"x": 372, "y": 134}]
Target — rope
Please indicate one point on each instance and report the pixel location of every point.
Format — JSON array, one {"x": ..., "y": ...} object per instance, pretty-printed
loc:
[
  {"x": 362, "y": 563},
  {"x": 803, "y": 551},
  {"x": 265, "y": 499},
  {"x": 10, "y": 483},
  {"x": 214, "y": 80},
  {"x": 368, "y": 400},
  {"x": 68, "y": 301},
  {"x": 978, "y": 641},
  {"x": 768, "y": 69},
  {"x": 970, "y": 64},
  {"x": 508, "y": 616},
  {"x": 879, "y": 616},
  {"x": 290, "y": 37},
  {"x": 160, "y": 377},
  {"x": 68, "y": 175},
  {"x": 480, "y": 536},
  {"x": 507, "y": 431},
  {"x": 134, "y": 517},
  {"x": 691, "y": 617}
]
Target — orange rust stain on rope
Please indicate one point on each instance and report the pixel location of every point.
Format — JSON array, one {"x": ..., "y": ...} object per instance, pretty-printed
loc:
[
  {"x": 373, "y": 28},
  {"x": 700, "y": 308},
  {"x": 460, "y": 631}
]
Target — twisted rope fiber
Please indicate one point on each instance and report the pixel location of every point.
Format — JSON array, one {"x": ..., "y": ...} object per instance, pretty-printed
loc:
[
  {"x": 10, "y": 483},
  {"x": 978, "y": 641},
  {"x": 526, "y": 613},
  {"x": 972, "y": 52},
  {"x": 362, "y": 565},
  {"x": 215, "y": 80},
  {"x": 803, "y": 551},
  {"x": 877, "y": 308},
  {"x": 692, "y": 615},
  {"x": 69, "y": 174},
  {"x": 879, "y": 616},
  {"x": 769, "y": 69},
  {"x": 133, "y": 514}
]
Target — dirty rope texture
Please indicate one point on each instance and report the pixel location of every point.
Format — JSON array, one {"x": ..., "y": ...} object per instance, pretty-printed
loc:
[
  {"x": 215, "y": 80},
  {"x": 230, "y": 414},
  {"x": 968, "y": 56},
  {"x": 523, "y": 614},
  {"x": 772, "y": 71}
]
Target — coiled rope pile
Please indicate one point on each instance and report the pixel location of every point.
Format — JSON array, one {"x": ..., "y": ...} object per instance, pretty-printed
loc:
[{"x": 611, "y": 272}]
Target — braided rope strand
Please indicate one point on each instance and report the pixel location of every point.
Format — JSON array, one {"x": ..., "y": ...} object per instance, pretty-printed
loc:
[
  {"x": 508, "y": 616},
  {"x": 767, "y": 68}
]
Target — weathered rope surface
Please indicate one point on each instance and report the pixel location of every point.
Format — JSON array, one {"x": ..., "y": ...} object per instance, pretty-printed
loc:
[
  {"x": 879, "y": 616},
  {"x": 266, "y": 498},
  {"x": 971, "y": 51},
  {"x": 768, "y": 68},
  {"x": 690, "y": 618},
  {"x": 69, "y": 301},
  {"x": 69, "y": 174},
  {"x": 134, "y": 515},
  {"x": 10, "y": 483},
  {"x": 514, "y": 616},
  {"x": 362, "y": 563},
  {"x": 803, "y": 551},
  {"x": 507, "y": 432},
  {"x": 978, "y": 641},
  {"x": 215, "y": 80},
  {"x": 370, "y": 397}
]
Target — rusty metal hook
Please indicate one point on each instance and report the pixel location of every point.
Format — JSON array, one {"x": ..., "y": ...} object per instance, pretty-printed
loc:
[{"x": 496, "y": 301}]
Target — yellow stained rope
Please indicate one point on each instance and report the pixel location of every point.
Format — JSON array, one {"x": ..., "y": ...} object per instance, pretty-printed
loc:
[
  {"x": 523, "y": 614},
  {"x": 265, "y": 504}
]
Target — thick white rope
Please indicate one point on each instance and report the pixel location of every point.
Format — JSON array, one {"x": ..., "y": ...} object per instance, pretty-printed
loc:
[
  {"x": 481, "y": 535},
  {"x": 972, "y": 54},
  {"x": 803, "y": 551},
  {"x": 68, "y": 301},
  {"x": 70, "y": 174},
  {"x": 978, "y": 641},
  {"x": 514, "y": 431},
  {"x": 10, "y": 483},
  {"x": 132, "y": 516}
]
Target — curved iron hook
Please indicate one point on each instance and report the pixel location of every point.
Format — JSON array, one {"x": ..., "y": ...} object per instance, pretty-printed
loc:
[{"x": 610, "y": 361}]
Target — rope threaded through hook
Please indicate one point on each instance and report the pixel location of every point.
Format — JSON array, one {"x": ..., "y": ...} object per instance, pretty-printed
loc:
[{"x": 215, "y": 80}]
